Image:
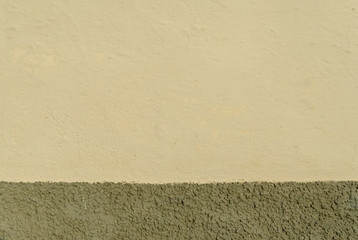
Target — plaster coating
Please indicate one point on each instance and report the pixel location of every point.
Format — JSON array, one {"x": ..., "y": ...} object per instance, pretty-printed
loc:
[
  {"x": 176, "y": 91},
  {"x": 305, "y": 211}
]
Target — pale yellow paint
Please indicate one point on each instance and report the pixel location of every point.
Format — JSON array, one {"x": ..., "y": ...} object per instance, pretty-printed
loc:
[{"x": 173, "y": 91}]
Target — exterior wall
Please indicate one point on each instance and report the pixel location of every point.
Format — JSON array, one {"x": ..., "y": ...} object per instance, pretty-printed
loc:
[
  {"x": 305, "y": 211},
  {"x": 203, "y": 91},
  {"x": 178, "y": 91}
]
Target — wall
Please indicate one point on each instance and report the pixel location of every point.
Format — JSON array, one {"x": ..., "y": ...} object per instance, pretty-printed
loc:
[
  {"x": 174, "y": 92},
  {"x": 302, "y": 211},
  {"x": 178, "y": 91}
]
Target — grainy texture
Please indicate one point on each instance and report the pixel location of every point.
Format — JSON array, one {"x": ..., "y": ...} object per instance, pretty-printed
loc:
[{"x": 317, "y": 210}]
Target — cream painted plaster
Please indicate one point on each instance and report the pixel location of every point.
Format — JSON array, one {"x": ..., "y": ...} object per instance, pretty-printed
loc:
[{"x": 173, "y": 91}]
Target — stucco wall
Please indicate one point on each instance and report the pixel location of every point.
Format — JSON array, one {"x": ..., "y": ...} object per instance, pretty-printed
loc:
[
  {"x": 176, "y": 91},
  {"x": 305, "y": 211}
]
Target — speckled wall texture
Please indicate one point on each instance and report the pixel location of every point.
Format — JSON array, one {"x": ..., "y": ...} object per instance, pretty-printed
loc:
[
  {"x": 305, "y": 211},
  {"x": 154, "y": 91}
]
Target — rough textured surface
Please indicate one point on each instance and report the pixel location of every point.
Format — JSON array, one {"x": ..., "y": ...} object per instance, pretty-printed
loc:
[
  {"x": 156, "y": 91},
  {"x": 319, "y": 210}
]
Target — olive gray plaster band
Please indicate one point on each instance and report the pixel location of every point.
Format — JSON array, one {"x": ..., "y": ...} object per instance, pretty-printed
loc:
[{"x": 262, "y": 210}]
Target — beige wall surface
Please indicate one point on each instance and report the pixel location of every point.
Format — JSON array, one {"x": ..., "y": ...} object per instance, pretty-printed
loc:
[{"x": 177, "y": 91}]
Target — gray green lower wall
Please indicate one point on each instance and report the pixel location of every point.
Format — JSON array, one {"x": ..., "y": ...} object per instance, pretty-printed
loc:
[{"x": 317, "y": 210}]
